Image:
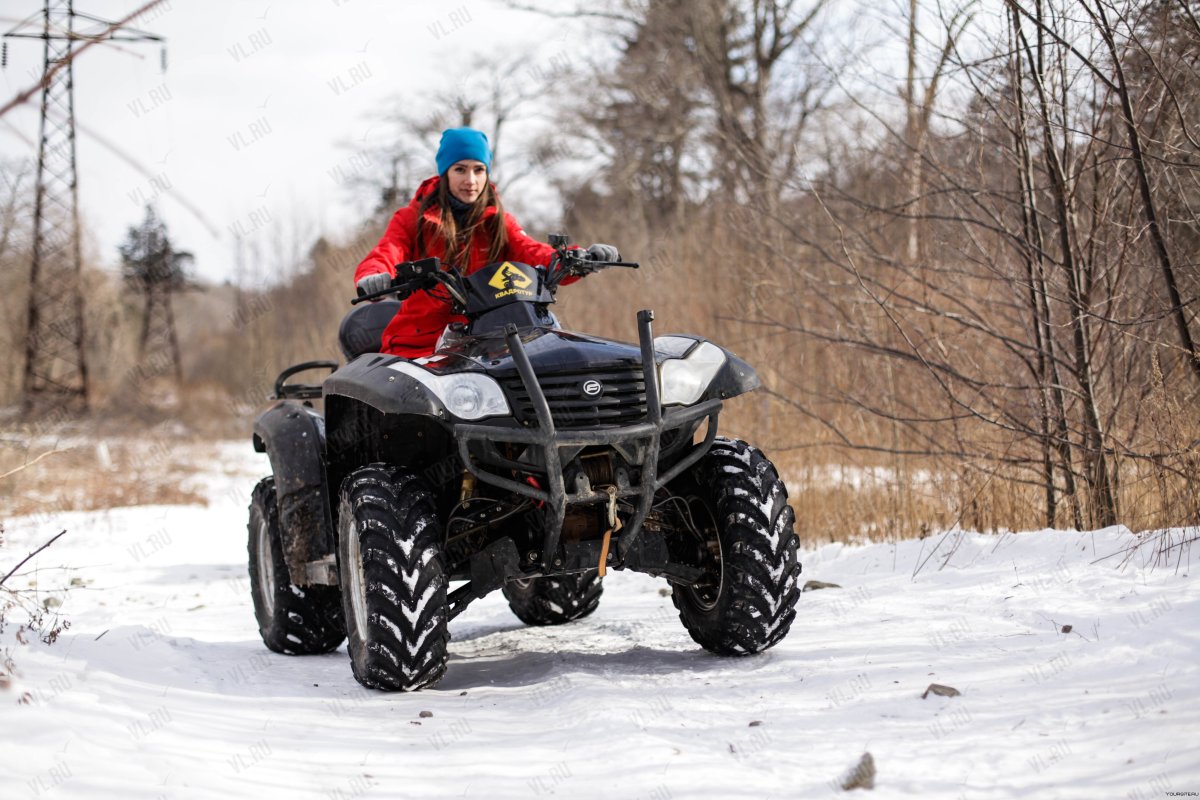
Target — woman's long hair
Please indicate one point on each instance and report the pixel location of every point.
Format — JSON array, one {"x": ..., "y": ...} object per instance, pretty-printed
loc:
[{"x": 457, "y": 242}]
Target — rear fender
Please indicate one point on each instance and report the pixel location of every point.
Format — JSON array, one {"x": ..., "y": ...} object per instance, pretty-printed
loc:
[{"x": 293, "y": 437}]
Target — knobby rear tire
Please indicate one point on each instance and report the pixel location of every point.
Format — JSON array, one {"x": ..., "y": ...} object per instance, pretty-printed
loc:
[
  {"x": 294, "y": 620},
  {"x": 554, "y": 600}
]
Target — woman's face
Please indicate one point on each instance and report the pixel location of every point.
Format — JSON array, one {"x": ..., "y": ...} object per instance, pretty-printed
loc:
[{"x": 467, "y": 179}]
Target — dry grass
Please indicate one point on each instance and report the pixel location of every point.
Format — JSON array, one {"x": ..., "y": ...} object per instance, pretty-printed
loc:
[
  {"x": 835, "y": 502},
  {"x": 95, "y": 465},
  {"x": 864, "y": 514}
]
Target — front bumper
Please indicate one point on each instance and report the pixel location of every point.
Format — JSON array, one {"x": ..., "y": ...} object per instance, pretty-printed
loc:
[{"x": 644, "y": 436}]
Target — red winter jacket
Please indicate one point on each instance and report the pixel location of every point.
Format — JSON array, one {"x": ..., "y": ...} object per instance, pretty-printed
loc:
[{"x": 414, "y": 331}]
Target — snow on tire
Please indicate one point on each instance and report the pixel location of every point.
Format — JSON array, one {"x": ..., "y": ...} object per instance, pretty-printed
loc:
[
  {"x": 292, "y": 619},
  {"x": 753, "y": 602},
  {"x": 394, "y": 580},
  {"x": 554, "y": 600}
]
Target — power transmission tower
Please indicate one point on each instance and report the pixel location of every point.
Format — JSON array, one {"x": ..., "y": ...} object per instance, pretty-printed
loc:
[
  {"x": 159, "y": 348},
  {"x": 56, "y": 374},
  {"x": 153, "y": 267}
]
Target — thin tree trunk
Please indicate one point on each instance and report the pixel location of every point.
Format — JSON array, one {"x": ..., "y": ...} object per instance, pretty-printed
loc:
[
  {"x": 1096, "y": 472},
  {"x": 1041, "y": 294},
  {"x": 1148, "y": 205},
  {"x": 912, "y": 184},
  {"x": 1032, "y": 249}
]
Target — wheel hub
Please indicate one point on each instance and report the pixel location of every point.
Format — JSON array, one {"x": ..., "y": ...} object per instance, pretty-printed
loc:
[
  {"x": 266, "y": 568},
  {"x": 706, "y": 595},
  {"x": 358, "y": 583}
]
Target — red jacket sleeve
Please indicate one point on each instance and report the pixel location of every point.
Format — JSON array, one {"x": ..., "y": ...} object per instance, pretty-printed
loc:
[
  {"x": 523, "y": 248},
  {"x": 527, "y": 250},
  {"x": 395, "y": 246}
]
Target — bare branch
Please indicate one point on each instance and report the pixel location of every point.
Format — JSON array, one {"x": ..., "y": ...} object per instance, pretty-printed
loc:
[{"x": 25, "y": 560}]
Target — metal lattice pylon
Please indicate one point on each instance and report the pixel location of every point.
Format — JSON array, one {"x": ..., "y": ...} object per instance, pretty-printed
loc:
[
  {"x": 56, "y": 373},
  {"x": 158, "y": 350}
]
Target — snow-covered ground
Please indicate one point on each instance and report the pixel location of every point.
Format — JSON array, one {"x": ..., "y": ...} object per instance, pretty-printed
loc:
[{"x": 162, "y": 688}]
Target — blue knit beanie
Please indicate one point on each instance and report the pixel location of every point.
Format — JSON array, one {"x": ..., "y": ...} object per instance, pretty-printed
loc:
[{"x": 461, "y": 144}]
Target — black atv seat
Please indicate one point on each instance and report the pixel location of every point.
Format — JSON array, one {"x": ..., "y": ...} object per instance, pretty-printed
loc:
[{"x": 361, "y": 330}]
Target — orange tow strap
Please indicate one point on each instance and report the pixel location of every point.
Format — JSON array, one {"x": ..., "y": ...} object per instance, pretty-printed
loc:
[{"x": 604, "y": 547}]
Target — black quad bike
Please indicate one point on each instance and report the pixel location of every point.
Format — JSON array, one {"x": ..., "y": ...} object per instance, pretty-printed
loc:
[{"x": 520, "y": 457}]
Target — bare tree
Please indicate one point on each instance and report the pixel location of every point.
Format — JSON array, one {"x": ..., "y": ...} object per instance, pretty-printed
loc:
[
  {"x": 919, "y": 104},
  {"x": 1110, "y": 72}
]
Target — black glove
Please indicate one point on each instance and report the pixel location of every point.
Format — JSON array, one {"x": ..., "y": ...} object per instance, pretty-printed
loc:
[
  {"x": 603, "y": 252},
  {"x": 375, "y": 282}
]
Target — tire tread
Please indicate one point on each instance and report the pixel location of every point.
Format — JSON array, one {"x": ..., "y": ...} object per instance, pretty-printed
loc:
[
  {"x": 556, "y": 599},
  {"x": 759, "y": 544},
  {"x": 306, "y": 620},
  {"x": 399, "y": 535}
]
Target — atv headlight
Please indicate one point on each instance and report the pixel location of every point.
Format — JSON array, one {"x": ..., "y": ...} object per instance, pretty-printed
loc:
[
  {"x": 684, "y": 380},
  {"x": 466, "y": 395}
]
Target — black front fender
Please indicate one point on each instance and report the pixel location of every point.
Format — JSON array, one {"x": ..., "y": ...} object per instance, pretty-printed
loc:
[
  {"x": 369, "y": 380},
  {"x": 735, "y": 377}
]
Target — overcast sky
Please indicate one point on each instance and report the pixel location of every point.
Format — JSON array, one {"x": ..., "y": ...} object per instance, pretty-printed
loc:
[{"x": 247, "y": 130}]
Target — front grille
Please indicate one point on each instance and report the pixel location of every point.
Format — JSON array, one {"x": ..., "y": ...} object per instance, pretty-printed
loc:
[{"x": 622, "y": 399}]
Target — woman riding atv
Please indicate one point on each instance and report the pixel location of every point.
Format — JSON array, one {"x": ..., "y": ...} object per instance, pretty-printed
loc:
[
  {"x": 524, "y": 458},
  {"x": 457, "y": 217}
]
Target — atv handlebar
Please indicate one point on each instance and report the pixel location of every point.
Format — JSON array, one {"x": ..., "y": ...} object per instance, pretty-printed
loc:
[
  {"x": 567, "y": 263},
  {"x": 412, "y": 276},
  {"x": 425, "y": 273}
]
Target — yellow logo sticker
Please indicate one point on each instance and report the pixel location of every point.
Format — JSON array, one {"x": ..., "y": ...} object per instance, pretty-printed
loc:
[
  {"x": 510, "y": 280},
  {"x": 509, "y": 277}
]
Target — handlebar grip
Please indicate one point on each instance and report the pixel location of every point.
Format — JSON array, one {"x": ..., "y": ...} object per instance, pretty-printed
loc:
[
  {"x": 402, "y": 292},
  {"x": 363, "y": 298}
]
